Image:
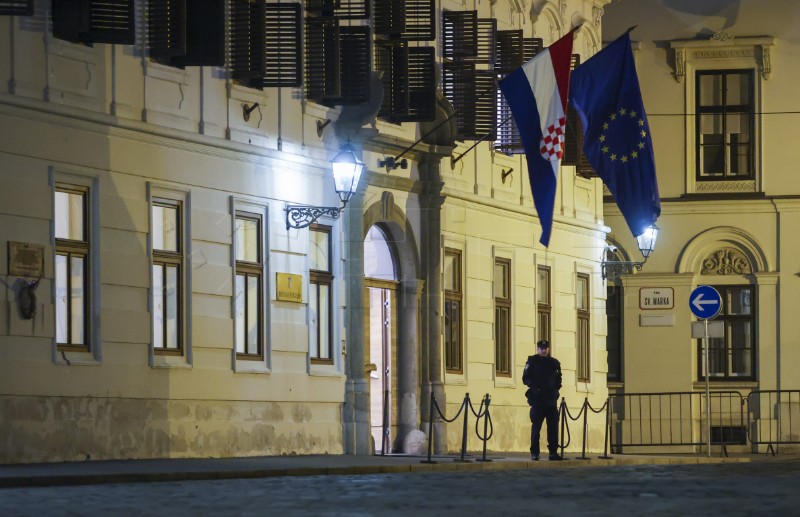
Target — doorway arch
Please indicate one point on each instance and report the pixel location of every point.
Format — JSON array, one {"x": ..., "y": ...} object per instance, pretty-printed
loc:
[{"x": 394, "y": 265}]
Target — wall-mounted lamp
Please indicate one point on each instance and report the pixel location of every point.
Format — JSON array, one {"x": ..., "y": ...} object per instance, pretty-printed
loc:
[
  {"x": 247, "y": 110},
  {"x": 391, "y": 163},
  {"x": 321, "y": 126},
  {"x": 611, "y": 269},
  {"x": 347, "y": 168}
]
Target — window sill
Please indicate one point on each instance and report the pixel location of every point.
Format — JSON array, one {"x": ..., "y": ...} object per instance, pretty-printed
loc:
[{"x": 731, "y": 384}]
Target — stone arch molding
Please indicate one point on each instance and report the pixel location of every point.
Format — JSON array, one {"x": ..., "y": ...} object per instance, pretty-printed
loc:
[
  {"x": 549, "y": 12},
  {"x": 707, "y": 252},
  {"x": 393, "y": 221}
]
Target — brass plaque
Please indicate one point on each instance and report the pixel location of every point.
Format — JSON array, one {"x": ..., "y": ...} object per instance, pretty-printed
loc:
[
  {"x": 290, "y": 288},
  {"x": 25, "y": 259}
]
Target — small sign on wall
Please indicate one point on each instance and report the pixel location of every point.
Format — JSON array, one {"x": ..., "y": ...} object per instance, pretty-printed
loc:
[
  {"x": 289, "y": 288},
  {"x": 656, "y": 298},
  {"x": 25, "y": 259}
]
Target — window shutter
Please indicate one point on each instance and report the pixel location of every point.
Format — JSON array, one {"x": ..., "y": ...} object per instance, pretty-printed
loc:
[
  {"x": 459, "y": 34},
  {"x": 247, "y": 48},
  {"x": 205, "y": 34},
  {"x": 531, "y": 47},
  {"x": 322, "y": 59},
  {"x": 355, "y": 65},
  {"x": 410, "y": 20},
  {"x": 486, "y": 43},
  {"x": 16, "y": 7},
  {"x": 391, "y": 59},
  {"x": 166, "y": 28},
  {"x": 284, "y": 64},
  {"x": 352, "y": 9},
  {"x": 573, "y": 138},
  {"x": 421, "y": 85},
  {"x": 94, "y": 21},
  {"x": 321, "y": 6},
  {"x": 473, "y": 94},
  {"x": 508, "y": 55}
]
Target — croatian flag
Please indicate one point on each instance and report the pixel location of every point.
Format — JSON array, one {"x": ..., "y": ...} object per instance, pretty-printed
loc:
[{"x": 537, "y": 95}]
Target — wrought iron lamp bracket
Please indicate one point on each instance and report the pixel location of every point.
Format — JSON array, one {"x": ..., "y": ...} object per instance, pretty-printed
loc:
[
  {"x": 612, "y": 269},
  {"x": 301, "y": 216}
]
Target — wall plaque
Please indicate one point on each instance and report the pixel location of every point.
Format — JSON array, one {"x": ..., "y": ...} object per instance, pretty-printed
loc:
[
  {"x": 25, "y": 259},
  {"x": 656, "y": 298},
  {"x": 289, "y": 288}
]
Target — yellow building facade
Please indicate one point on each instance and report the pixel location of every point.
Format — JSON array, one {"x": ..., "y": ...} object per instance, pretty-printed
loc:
[
  {"x": 717, "y": 82},
  {"x": 160, "y": 304}
]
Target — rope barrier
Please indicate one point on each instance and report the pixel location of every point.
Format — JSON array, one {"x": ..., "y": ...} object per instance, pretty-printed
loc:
[{"x": 483, "y": 412}]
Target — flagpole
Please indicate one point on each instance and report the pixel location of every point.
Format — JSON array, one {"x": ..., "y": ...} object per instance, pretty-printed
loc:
[{"x": 454, "y": 161}]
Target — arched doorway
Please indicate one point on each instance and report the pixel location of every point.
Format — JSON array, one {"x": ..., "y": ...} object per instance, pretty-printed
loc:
[{"x": 380, "y": 282}]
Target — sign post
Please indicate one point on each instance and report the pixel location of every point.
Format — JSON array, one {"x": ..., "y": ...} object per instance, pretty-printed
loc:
[{"x": 705, "y": 302}]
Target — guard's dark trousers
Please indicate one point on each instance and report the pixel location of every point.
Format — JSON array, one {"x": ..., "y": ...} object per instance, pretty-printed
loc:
[{"x": 540, "y": 413}]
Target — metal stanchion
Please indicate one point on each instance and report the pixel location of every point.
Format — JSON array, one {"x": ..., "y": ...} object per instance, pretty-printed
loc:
[{"x": 430, "y": 432}]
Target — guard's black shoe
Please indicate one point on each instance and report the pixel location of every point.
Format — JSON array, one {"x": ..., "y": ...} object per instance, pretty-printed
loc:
[
  {"x": 535, "y": 457},
  {"x": 555, "y": 457}
]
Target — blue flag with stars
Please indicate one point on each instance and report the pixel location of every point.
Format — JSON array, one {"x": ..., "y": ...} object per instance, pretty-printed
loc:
[{"x": 616, "y": 137}]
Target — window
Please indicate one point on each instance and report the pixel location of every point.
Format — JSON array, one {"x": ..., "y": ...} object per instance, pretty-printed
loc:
[
  {"x": 614, "y": 337},
  {"x": 732, "y": 356},
  {"x": 453, "y": 295},
  {"x": 502, "y": 317},
  {"x": 72, "y": 267},
  {"x": 724, "y": 127},
  {"x": 543, "y": 304},
  {"x": 248, "y": 290},
  {"x": 320, "y": 300},
  {"x": 167, "y": 289},
  {"x": 583, "y": 335}
]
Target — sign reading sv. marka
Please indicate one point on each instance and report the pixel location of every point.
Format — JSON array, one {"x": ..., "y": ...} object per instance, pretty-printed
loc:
[{"x": 656, "y": 298}]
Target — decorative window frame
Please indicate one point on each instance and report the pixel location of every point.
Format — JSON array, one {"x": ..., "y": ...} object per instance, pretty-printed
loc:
[
  {"x": 90, "y": 180},
  {"x": 505, "y": 381},
  {"x": 721, "y": 52},
  {"x": 455, "y": 243},
  {"x": 261, "y": 209},
  {"x": 596, "y": 310},
  {"x": 157, "y": 191},
  {"x": 333, "y": 369}
]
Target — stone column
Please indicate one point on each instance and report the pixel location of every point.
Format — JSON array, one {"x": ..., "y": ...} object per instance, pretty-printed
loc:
[
  {"x": 408, "y": 355},
  {"x": 431, "y": 201},
  {"x": 355, "y": 413}
]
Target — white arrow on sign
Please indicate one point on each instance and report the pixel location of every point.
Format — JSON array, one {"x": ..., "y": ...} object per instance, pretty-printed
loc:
[{"x": 698, "y": 302}]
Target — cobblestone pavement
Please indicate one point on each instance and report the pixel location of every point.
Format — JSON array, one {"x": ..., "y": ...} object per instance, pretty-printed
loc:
[{"x": 759, "y": 488}]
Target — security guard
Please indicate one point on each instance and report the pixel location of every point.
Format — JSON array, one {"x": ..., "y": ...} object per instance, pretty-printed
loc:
[{"x": 542, "y": 375}]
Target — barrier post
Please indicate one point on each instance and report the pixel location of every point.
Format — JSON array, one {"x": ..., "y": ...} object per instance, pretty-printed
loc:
[
  {"x": 607, "y": 435},
  {"x": 485, "y": 438},
  {"x": 430, "y": 431},
  {"x": 563, "y": 414},
  {"x": 585, "y": 427},
  {"x": 465, "y": 405}
]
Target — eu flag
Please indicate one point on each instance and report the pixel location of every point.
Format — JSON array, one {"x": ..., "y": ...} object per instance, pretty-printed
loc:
[{"x": 605, "y": 92}]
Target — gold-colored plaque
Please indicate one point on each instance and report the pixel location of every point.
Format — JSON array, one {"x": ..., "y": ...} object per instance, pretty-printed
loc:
[
  {"x": 25, "y": 259},
  {"x": 290, "y": 288}
]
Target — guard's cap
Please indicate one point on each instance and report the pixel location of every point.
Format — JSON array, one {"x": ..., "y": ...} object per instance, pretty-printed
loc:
[{"x": 543, "y": 344}]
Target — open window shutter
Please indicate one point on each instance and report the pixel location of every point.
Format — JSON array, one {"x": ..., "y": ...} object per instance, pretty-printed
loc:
[
  {"x": 472, "y": 93},
  {"x": 355, "y": 64},
  {"x": 247, "y": 45},
  {"x": 391, "y": 60},
  {"x": 484, "y": 100},
  {"x": 284, "y": 64},
  {"x": 166, "y": 28},
  {"x": 321, "y": 6},
  {"x": 421, "y": 85},
  {"x": 509, "y": 57},
  {"x": 572, "y": 137},
  {"x": 16, "y": 7},
  {"x": 94, "y": 21},
  {"x": 459, "y": 34},
  {"x": 322, "y": 59},
  {"x": 486, "y": 43},
  {"x": 352, "y": 10},
  {"x": 390, "y": 18},
  {"x": 531, "y": 47},
  {"x": 508, "y": 54},
  {"x": 420, "y": 20},
  {"x": 205, "y": 34},
  {"x": 112, "y": 21}
]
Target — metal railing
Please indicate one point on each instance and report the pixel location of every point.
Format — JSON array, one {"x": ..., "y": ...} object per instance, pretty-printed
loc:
[
  {"x": 773, "y": 418},
  {"x": 675, "y": 419}
]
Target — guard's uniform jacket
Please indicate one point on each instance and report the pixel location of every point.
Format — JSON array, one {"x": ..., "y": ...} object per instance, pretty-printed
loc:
[{"x": 542, "y": 375}]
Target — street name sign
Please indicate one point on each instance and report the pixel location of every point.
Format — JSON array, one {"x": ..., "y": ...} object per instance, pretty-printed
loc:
[
  {"x": 705, "y": 302},
  {"x": 656, "y": 298}
]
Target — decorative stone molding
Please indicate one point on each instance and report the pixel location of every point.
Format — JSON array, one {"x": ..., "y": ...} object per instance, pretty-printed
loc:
[
  {"x": 597, "y": 15},
  {"x": 723, "y": 46},
  {"x": 727, "y": 261},
  {"x": 725, "y": 186}
]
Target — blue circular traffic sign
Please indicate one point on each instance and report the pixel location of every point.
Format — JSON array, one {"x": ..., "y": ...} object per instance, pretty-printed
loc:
[{"x": 705, "y": 302}]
